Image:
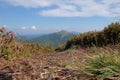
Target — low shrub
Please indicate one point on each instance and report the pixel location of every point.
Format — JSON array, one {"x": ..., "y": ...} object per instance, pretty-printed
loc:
[{"x": 109, "y": 36}]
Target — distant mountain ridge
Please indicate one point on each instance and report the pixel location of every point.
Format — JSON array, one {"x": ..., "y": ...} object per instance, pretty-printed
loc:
[
  {"x": 31, "y": 36},
  {"x": 53, "y": 39}
]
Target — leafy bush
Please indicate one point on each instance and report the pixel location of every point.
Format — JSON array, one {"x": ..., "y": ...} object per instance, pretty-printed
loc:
[{"x": 110, "y": 35}]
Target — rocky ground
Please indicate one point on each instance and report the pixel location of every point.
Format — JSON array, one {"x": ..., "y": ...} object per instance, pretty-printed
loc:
[{"x": 50, "y": 66}]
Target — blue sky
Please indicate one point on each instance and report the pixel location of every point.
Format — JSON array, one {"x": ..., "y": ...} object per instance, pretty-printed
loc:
[{"x": 47, "y": 16}]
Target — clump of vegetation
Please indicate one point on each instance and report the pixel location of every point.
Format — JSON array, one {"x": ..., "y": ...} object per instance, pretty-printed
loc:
[
  {"x": 105, "y": 64},
  {"x": 109, "y": 36},
  {"x": 9, "y": 45}
]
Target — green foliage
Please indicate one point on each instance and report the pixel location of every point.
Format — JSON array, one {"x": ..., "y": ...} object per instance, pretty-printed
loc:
[
  {"x": 110, "y": 35},
  {"x": 103, "y": 65}
]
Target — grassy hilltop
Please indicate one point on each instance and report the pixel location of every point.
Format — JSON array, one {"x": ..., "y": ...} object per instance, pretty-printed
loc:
[{"x": 88, "y": 56}]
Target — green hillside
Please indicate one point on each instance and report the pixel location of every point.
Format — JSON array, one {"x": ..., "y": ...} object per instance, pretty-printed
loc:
[{"x": 53, "y": 39}]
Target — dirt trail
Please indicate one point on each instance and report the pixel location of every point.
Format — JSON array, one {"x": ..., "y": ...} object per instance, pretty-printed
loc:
[{"x": 50, "y": 66}]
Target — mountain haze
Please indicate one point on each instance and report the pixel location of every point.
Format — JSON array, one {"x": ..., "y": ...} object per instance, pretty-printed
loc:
[{"x": 53, "y": 39}]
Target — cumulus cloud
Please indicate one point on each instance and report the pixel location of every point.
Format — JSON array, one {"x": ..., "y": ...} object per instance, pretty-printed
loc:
[
  {"x": 29, "y": 28},
  {"x": 24, "y": 28},
  {"x": 72, "y": 8},
  {"x": 34, "y": 27}
]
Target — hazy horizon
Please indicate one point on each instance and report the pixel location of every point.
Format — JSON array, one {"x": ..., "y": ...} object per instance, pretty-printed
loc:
[{"x": 48, "y": 16}]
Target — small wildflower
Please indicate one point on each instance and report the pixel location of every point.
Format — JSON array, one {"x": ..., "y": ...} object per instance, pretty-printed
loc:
[{"x": 2, "y": 29}]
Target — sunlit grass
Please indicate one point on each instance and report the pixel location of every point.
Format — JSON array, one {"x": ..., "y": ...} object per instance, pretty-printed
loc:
[{"x": 103, "y": 64}]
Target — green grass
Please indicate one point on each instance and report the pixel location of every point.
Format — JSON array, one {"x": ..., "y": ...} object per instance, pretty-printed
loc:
[{"x": 103, "y": 64}]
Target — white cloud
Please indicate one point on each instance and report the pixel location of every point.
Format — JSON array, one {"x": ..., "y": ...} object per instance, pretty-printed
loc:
[
  {"x": 23, "y": 28},
  {"x": 34, "y": 27},
  {"x": 30, "y": 3},
  {"x": 29, "y": 28},
  {"x": 72, "y": 8}
]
